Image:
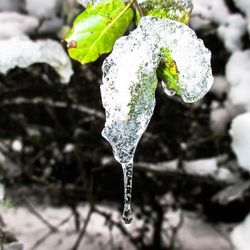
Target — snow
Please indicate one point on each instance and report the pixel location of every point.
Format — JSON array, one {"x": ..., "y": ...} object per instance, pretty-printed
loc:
[
  {"x": 237, "y": 74},
  {"x": 15, "y": 24},
  {"x": 212, "y": 10},
  {"x": 29, "y": 229},
  {"x": 241, "y": 139},
  {"x": 42, "y": 8},
  {"x": 240, "y": 235},
  {"x": 220, "y": 86},
  {"x": 17, "y": 145},
  {"x": 202, "y": 167},
  {"x": 23, "y": 52},
  {"x": 219, "y": 119},
  {"x": 243, "y": 5},
  {"x": 232, "y": 31}
]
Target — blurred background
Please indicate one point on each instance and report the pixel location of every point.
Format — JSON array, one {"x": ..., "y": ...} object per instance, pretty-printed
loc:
[{"x": 60, "y": 187}]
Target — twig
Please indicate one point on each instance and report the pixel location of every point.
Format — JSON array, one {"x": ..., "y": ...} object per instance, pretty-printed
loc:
[
  {"x": 40, "y": 217},
  {"x": 138, "y": 6},
  {"x": 118, "y": 225},
  {"x": 51, "y": 103},
  {"x": 83, "y": 230},
  {"x": 175, "y": 231},
  {"x": 187, "y": 169},
  {"x": 47, "y": 235}
]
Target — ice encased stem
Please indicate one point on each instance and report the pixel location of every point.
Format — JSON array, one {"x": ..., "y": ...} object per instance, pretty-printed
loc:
[{"x": 129, "y": 83}]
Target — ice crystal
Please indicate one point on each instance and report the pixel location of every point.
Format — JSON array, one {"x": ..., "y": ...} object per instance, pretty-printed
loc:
[{"x": 129, "y": 83}]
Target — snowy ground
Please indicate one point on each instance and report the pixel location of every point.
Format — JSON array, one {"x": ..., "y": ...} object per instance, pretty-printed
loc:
[{"x": 34, "y": 234}]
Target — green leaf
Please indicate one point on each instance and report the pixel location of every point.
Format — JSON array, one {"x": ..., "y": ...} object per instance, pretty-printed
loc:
[
  {"x": 95, "y": 31},
  {"x": 167, "y": 71},
  {"x": 175, "y": 10},
  {"x": 171, "y": 9}
]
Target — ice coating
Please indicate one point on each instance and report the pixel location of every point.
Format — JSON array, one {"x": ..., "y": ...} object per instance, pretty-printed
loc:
[
  {"x": 129, "y": 83},
  {"x": 178, "y": 10}
]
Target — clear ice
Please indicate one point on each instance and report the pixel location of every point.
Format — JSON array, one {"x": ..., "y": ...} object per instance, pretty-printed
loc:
[{"x": 129, "y": 83}]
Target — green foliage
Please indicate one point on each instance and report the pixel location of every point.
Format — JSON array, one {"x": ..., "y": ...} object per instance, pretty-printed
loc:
[
  {"x": 95, "y": 31},
  {"x": 168, "y": 72},
  {"x": 171, "y": 9}
]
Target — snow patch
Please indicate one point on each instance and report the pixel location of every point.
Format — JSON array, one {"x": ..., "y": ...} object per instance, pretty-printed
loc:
[
  {"x": 241, "y": 139},
  {"x": 23, "y": 52}
]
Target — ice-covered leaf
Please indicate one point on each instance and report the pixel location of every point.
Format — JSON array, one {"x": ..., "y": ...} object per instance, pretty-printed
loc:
[
  {"x": 95, "y": 31},
  {"x": 167, "y": 71},
  {"x": 130, "y": 80},
  {"x": 129, "y": 85},
  {"x": 178, "y": 10},
  {"x": 22, "y": 52}
]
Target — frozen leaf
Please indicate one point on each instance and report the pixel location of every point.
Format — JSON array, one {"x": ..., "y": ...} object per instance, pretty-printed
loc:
[
  {"x": 23, "y": 52},
  {"x": 167, "y": 71},
  {"x": 130, "y": 80},
  {"x": 95, "y": 31},
  {"x": 178, "y": 10}
]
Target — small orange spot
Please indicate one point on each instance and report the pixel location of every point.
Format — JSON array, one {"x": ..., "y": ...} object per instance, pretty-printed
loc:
[{"x": 72, "y": 44}]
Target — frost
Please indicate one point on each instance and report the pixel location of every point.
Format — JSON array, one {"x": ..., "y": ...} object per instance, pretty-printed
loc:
[
  {"x": 129, "y": 82},
  {"x": 14, "y": 24},
  {"x": 23, "y": 52},
  {"x": 241, "y": 139}
]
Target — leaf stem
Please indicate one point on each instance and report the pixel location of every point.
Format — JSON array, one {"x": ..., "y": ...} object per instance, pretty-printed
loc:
[
  {"x": 138, "y": 7},
  {"x": 126, "y": 8}
]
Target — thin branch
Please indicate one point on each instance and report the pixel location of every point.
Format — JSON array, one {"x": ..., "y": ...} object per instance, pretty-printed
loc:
[
  {"x": 117, "y": 224},
  {"x": 188, "y": 168},
  {"x": 55, "y": 104},
  {"x": 83, "y": 230},
  {"x": 40, "y": 217},
  {"x": 47, "y": 235},
  {"x": 138, "y": 7}
]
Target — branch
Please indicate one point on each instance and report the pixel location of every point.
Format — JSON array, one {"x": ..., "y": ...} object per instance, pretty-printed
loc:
[
  {"x": 203, "y": 168},
  {"x": 40, "y": 217},
  {"x": 83, "y": 230},
  {"x": 54, "y": 104}
]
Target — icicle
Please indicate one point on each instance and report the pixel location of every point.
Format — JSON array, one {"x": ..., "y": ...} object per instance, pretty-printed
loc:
[{"x": 129, "y": 83}]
